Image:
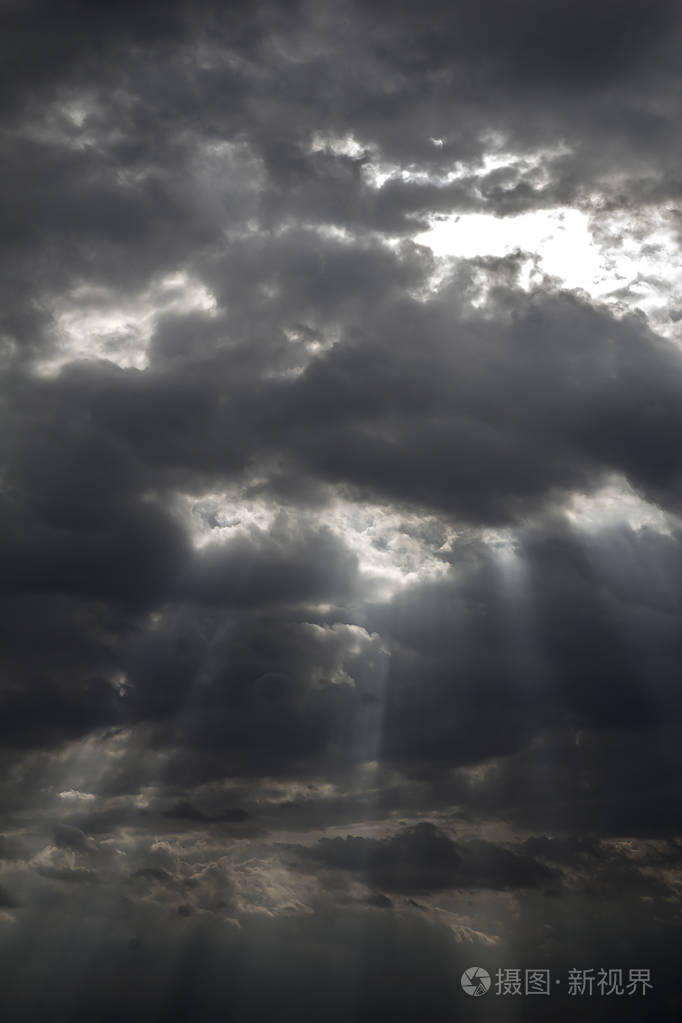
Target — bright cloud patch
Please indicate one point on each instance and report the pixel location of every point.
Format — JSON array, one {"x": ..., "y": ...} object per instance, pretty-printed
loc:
[
  {"x": 393, "y": 549},
  {"x": 95, "y": 323}
]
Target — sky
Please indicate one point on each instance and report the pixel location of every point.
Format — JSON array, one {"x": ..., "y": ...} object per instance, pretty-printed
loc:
[{"x": 341, "y": 497}]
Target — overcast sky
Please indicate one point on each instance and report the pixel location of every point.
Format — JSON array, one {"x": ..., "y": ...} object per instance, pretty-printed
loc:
[{"x": 340, "y": 497}]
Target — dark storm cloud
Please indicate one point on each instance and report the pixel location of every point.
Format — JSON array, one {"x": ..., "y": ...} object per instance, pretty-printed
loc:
[
  {"x": 272, "y": 568},
  {"x": 486, "y": 419},
  {"x": 609, "y": 782},
  {"x": 186, "y": 811},
  {"x": 423, "y": 859},
  {"x": 462, "y": 424},
  {"x": 7, "y": 901},
  {"x": 187, "y": 725},
  {"x": 73, "y": 838},
  {"x": 72, "y": 875}
]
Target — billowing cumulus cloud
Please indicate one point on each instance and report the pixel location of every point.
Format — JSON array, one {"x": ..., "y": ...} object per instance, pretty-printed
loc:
[{"x": 340, "y": 495}]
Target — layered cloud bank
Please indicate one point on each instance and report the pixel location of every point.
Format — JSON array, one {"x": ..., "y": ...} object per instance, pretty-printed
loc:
[{"x": 340, "y": 491}]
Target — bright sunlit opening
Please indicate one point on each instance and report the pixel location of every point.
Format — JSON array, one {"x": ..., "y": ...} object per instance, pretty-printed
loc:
[{"x": 627, "y": 267}]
